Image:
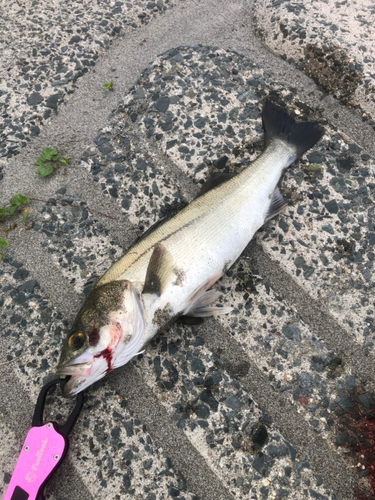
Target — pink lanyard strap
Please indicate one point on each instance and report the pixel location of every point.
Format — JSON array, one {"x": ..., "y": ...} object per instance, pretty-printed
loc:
[{"x": 43, "y": 450}]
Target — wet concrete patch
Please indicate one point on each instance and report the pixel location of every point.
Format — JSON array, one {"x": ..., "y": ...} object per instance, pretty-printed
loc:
[
  {"x": 332, "y": 70},
  {"x": 331, "y": 42}
]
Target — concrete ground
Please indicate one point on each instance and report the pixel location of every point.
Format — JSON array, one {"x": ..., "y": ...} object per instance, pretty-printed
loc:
[{"x": 274, "y": 400}]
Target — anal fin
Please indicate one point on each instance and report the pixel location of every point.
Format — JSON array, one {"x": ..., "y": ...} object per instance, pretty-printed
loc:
[
  {"x": 160, "y": 271},
  {"x": 278, "y": 203}
]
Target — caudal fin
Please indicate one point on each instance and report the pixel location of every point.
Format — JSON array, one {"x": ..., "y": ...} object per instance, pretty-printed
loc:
[{"x": 278, "y": 124}]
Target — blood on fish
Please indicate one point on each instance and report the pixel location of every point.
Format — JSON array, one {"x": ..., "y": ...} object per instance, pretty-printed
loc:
[
  {"x": 107, "y": 355},
  {"x": 94, "y": 337}
]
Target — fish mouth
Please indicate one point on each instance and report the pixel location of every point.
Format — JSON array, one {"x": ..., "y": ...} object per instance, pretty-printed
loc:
[
  {"x": 75, "y": 369},
  {"x": 75, "y": 385},
  {"x": 79, "y": 377},
  {"x": 92, "y": 365},
  {"x": 83, "y": 371},
  {"x": 79, "y": 370}
]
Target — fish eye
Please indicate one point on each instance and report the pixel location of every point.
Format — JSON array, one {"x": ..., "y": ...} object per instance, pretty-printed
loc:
[{"x": 76, "y": 340}]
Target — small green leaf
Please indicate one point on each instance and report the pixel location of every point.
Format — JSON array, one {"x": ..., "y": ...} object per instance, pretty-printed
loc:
[
  {"x": 46, "y": 154},
  {"x": 3, "y": 243},
  {"x": 44, "y": 170},
  {"x": 55, "y": 157},
  {"x": 50, "y": 154},
  {"x": 108, "y": 86},
  {"x": 9, "y": 209},
  {"x": 12, "y": 209},
  {"x": 18, "y": 199},
  {"x": 65, "y": 160}
]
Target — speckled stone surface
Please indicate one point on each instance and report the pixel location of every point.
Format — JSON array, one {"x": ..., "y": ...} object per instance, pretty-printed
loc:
[
  {"x": 239, "y": 441},
  {"x": 64, "y": 41},
  {"x": 79, "y": 244},
  {"x": 242, "y": 421},
  {"x": 332, "y": 42}
]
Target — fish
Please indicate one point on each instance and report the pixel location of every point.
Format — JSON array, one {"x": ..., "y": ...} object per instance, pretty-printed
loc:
[{"x": 169, "y": 272}]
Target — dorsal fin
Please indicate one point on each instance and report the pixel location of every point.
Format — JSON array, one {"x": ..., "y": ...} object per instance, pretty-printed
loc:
[
  {"x": 213, "y": 181},
  {"x": 159, "y": 271},
  {"x": 278, "y": 203},
  {"x": 152, "y": 228}
]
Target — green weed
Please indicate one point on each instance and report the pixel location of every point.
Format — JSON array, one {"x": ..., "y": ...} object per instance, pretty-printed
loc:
[
  {"x": 46, "y": 163},
  {"x": 8, "y": 210},
  {"x": 108, "y": 86}
]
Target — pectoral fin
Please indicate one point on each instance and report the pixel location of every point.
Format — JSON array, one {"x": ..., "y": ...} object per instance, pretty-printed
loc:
[
  {"x": 199, "y": 302},
  {"x": 160, "y": 271}
]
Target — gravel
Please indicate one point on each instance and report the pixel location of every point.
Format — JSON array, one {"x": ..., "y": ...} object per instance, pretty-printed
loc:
[{"x": 46, "y": 48}]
